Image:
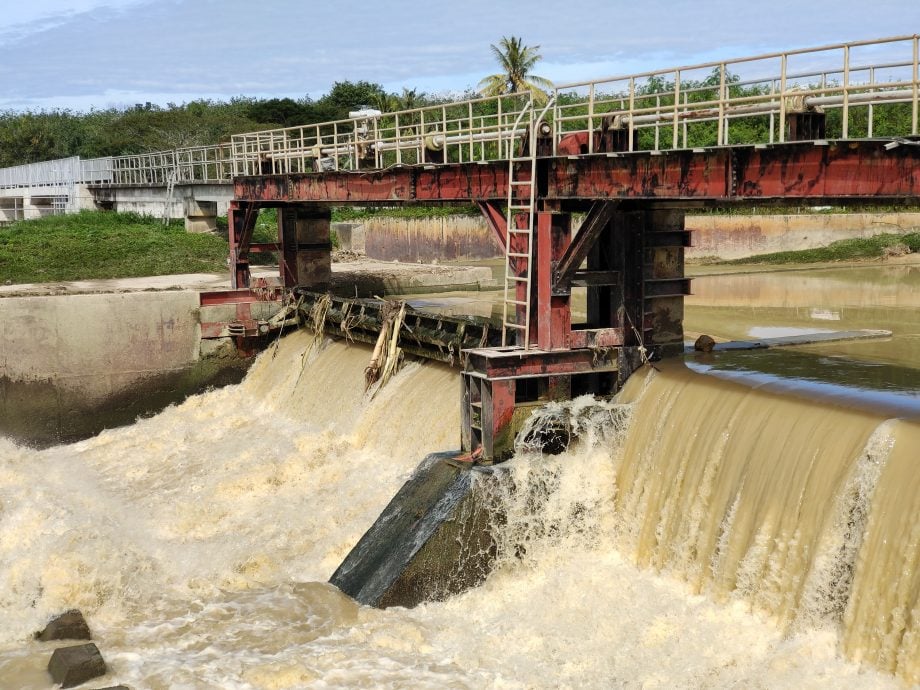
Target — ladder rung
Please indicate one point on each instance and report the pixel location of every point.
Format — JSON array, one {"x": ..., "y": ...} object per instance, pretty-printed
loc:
[
  {"x": 518, "y": 207},
  {"x": 521, "y": 182},
  {"x": 516, "y": 301},
  {"x": 517, "y": 279},
  {"x": 521, "y": 160},
  {"x": 508, "y": 324},
  {"x": 517, "y": 231},
  {"x": 518, "y": 255}
]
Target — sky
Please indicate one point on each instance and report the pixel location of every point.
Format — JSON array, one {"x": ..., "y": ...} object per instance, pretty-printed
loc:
[{"x": 82, "y": 54}]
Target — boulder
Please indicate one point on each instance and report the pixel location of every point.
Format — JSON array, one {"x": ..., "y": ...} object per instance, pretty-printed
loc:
[
  {"x": 68, "y": 626},
  {"x": 71, "y": 666},
  {"x": 704, "y": 344}
]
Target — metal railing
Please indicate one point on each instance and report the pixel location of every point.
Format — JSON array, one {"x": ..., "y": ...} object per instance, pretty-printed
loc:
[
  {"x": 479, "y": 129},
  {"x": 63, "y": 172},
  {"x": 747, "y": 100},
  {"x": 195, "y": 164}
]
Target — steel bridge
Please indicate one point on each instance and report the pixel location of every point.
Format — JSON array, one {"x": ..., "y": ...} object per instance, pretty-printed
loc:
[
  {"x": 631, "y": 155},
  {"x": 835, "y": 124}
]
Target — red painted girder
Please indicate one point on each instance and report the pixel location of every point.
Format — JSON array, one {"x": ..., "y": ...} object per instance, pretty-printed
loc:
[
  {"x": 678, "y": 174},
  {"x": 433, "y": 183},
  {"x": 497, "y": 363},
  {"x": 261, "y": 293},
  {"x": 853, "y": 169}
]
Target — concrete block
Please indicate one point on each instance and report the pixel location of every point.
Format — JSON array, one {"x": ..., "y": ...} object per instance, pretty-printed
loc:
[
  {"x": 433, "y": 540},
  {"x": 68, "y": 626},
  {"x": 201, "y": 224},
  {"x": 71, "y": 666},
  {"x": 200, "y": 216}
]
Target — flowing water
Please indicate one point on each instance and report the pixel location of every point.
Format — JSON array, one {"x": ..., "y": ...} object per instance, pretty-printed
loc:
[{"x": 699, "y": 533}]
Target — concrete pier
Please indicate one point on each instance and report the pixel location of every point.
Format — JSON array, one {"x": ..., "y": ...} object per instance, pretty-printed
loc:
[{"x": 73, "y": 365}]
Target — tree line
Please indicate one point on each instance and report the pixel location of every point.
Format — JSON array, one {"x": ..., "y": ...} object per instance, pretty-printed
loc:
[{"x": 29, "y": 137}]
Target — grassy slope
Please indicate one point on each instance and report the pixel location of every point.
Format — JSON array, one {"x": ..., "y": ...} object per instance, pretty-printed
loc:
[
  {"x": 842, "y": 250},
  {"x": 104, "y": 245},
  {"x": 120, "y": 245}
]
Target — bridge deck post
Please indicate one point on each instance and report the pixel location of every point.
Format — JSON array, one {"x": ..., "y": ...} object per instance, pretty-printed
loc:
[
  {"x": 241, "y": 220},
  {"x": 306, "y": 246}
]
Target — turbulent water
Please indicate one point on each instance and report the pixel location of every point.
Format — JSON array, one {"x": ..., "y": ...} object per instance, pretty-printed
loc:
[{"x": 698, "y": 534}]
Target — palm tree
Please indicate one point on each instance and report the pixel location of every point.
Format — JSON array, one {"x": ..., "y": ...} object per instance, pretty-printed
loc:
[{"x": 516, "y": 61}]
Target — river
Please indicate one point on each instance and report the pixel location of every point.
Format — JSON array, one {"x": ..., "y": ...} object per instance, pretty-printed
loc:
[{"x": 711, "y": 529}]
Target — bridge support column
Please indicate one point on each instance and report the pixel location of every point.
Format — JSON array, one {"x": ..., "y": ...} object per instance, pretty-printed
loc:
[
  {"x": 10, "y": 209},
  {"x": 241, "y": 220},
  {"x": 502, "y": 387},
  {"x": 306, "y": 246},
  {"x": 634, "y": 287},
  {"x": 200, "y": 216}
]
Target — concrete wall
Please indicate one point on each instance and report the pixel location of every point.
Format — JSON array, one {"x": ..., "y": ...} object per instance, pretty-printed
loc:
[
  {"x": 72, "y": 365},
  {"x": 724, "y": 237},
  {"x": 427, "y": 239},
  {"x": 735, "y": 237}
]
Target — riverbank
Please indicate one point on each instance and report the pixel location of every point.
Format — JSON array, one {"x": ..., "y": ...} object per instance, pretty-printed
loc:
[
  {"x": 98, "y": 245},
  {"x": 695, "y": 270}
]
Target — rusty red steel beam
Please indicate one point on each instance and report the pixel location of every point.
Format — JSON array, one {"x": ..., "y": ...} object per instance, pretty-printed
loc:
[
  {"x": 420, "y": 183},
  {"x": 835, "y": 170},
  {"x": 496, "y": 221},
  {"x": 806, "y": 170},
  {"x": 497, "y": 363},
  {"x": 595, "y": 222},
  {"x": 260, "y": 293}
]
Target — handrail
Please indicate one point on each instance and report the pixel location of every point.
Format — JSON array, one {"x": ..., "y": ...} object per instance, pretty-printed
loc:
[{"x": 838, "y": 77}]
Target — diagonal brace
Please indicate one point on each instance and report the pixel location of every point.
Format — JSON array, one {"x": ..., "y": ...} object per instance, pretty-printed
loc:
[
  {"x": 495, "y": 217},
  {"x": 595, "y": 222}
]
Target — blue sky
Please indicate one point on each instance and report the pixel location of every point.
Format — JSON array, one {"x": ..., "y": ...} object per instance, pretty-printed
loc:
[{"x": 99, "y": 53}]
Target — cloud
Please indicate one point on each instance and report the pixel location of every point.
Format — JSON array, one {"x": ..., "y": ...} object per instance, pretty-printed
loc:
[{"x": 172, "y": 48}]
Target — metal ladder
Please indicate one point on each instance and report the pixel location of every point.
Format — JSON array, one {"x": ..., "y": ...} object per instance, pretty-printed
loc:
[
  {"x": 171, "y": 179},
  {"x": 520, "y": 253}
]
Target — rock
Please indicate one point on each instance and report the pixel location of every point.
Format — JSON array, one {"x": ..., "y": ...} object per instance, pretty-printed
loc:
[
  {"x": 704, "y": 344},
  {"x": 71, "y": 666},
  {"x": 68, "y": 626}
]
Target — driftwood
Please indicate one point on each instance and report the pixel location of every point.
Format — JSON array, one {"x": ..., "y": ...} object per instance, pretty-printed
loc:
[{"x": 387, "y": 354}]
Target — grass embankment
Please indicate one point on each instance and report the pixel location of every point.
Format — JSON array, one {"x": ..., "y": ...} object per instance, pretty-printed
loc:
[
  {"x": 94, "y": 244},
  {"x": 857, "y": 249},
  {"x": 345, "y": 214}
]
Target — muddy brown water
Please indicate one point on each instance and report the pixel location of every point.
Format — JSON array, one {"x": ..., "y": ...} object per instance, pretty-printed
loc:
[{"x": 723, "y": 532}]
